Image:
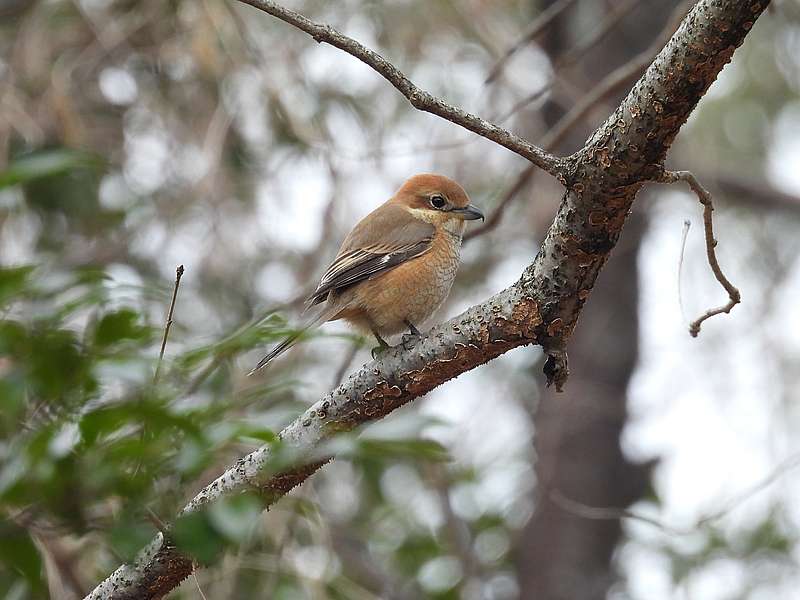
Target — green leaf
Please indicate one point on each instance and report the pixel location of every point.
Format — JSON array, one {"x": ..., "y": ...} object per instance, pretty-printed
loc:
[
  {"x": 156, "y": 416},
  {"x": 236, "y": 517},
  {"x": 248, "y": 432},
  {"x": 414, "y": 448},
  {"x": 128, "y": 536},
  {"x": 19, "y": 553},
  {"x": 195, "y": 535},
  {"x": 12, "y": 398},
  {"x": 118, "y": 326},
  {"x": 43, "y": 164},
  {"x": 57, "y": 364},
  {"x": 13, "y": 281}
]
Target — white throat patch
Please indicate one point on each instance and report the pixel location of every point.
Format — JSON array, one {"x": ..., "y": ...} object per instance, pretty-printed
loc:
[{"x": 452, "y": 225}]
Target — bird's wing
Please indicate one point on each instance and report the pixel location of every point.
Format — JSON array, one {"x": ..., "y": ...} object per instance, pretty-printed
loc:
[{"x": 386, "y": 238}]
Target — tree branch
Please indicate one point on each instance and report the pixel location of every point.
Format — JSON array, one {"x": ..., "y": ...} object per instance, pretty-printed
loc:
[
  {"x": 178, "y": 274},
  {"x": 542, "y": 308},
  {"x": 734, "y": 296},
  {"x": 537, "y": 26},
  {"x": 419, "y": 99}
]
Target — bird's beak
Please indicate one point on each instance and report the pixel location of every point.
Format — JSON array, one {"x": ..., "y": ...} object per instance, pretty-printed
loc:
[{"x": 469, "y": 212}]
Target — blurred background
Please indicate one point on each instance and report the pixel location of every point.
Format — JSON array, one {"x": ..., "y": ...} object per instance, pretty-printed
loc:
[{"x": 139, "y": 136}]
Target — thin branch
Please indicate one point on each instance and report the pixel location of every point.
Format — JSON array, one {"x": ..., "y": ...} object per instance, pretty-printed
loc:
[
  {"x": 734, "y": 296},
  {"x": 596, "y": 36},
  {"x": 497, "y": 214},
  {"x": 533, "y": 30},
  {"x": 684, "y": 236},
  {"x": 178, "y": 274},
  {"x": 532, "y": 97},
  {"x": 167, "y": 326},
  {"x": 789, "y": 464},
  {"x": 419, "y": 98},
  {"x": 347, "y": 360},
  {"x": 606, "y": 513},
  {"x": 756, "y": 194},
  {"x": 155, "y": 519},
  {"x": 197, "y": 583}
]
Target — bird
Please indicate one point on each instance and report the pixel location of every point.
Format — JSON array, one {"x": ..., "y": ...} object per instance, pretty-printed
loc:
[{"x": 397, "y": 265}]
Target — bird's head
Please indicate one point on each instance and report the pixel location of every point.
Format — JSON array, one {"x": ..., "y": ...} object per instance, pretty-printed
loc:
[{"x": 438, "y": 200}]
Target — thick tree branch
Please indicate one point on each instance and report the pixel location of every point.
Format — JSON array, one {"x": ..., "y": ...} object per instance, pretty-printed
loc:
[
  {"x": 542, "y": 308},
  {"x": 419, "y": 99}
]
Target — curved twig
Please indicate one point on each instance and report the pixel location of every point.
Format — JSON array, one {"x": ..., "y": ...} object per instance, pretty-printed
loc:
[
  {"x": 734, "y": 296},
  {"x": 533, "y": 30}
]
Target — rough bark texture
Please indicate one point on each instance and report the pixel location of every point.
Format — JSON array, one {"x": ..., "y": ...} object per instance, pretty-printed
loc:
[{"x": 602, "y": 180}]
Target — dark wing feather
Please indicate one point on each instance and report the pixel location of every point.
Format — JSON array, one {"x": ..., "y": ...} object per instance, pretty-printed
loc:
[{"x": 386, "y": 238}]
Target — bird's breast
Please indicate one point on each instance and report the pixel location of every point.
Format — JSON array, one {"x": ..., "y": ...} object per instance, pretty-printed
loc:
[{"x": 412, "y": 291}]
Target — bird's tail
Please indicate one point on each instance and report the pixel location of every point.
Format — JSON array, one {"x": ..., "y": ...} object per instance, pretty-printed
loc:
[{"x": 291, "y": 340}]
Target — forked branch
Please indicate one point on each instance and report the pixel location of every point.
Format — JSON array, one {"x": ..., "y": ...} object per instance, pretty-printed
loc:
[{"x": 734, "y": 296}]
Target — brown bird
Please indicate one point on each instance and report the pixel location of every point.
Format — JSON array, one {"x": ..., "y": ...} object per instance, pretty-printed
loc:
[{"x": 397, "y": 265}]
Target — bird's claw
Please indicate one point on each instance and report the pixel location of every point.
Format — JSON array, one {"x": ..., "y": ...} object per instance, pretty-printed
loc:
[
  {"x": 377, "y": 351},
  {"x": 409, "y": 340}
]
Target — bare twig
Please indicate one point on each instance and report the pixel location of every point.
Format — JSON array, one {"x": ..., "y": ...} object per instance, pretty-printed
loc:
[
  {"x": 178, "y": 274},
  {"x": 606, "y": 513},
  {"x": 197, "y": 583},
  {"x": 532, "y": 97},
  {"x": 734, "y": 296},
  {"x": 533, "y": 30},
  {"x": 684, "y": 236},
  {"x": 497, "y": 213},
  {"x": 167, "y": 326},
  {"x": 345, "y": 364},
  {"x": 758, "y": 194},
  {"x": 155, "y": 519},
  {"x": 419, "y": 98},
  {"x": 601, "y": 31},
  {"x": 612, "y": 83},
  {"x": 789, "y": 464}
]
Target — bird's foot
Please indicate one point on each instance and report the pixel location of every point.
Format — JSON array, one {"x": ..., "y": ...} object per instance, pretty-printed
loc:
[
  {"x": 378, "y": 350},
  {"x": 409, "y": 340},
  {"x": 412, "y": 328}
]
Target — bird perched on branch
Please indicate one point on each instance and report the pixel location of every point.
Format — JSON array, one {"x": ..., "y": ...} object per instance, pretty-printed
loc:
[{"x": 397, "y": 265}]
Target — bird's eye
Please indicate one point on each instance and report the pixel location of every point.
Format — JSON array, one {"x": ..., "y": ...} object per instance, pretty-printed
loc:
[{"x": 438, "y": 202}]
